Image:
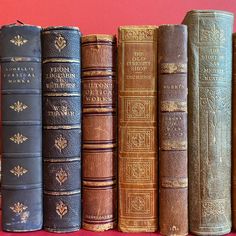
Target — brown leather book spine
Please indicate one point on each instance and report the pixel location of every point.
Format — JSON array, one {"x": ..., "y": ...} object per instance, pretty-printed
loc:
[
  {"x": 234, "y": 136},
  {"x": 137, "y": 125},
  {"x": 173, "y": 174},
  {"x": 99, "y": 148}
]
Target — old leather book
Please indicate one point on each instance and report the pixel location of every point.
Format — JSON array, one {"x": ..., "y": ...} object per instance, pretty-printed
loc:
[
  {"x": 209, "y": 120},
  {"x": 21, "y": 136},
  {"x": 173, "y": 172},
  {"x": 137, "y": 125},
  {"x": 234, "y": 136},
  {"x": 61, "y": 128},
  {"x": 99, "y": 150}
]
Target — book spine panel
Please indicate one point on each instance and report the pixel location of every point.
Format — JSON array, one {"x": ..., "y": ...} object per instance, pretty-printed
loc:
[
  {"x": 62, "y": 129},
  {"x": 21, "y": 134},
  {"x": 173, "y": 188},
  {"x": 209, "y": 120},
  {"x": 99, "y": 132},
  {"x": 137, "y": 127}
]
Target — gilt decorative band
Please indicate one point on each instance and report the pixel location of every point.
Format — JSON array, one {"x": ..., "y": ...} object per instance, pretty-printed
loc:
[
  {"x": 61, "y": 60},
  {"x": 99, "y": 184},
  {"x": 98, "y": 73},
  {"x": 171, "y": 106},
  {"x": 174, "y": 145},
  {"x": 174, "y": 183},
  {"x": 173, "y": 68}
]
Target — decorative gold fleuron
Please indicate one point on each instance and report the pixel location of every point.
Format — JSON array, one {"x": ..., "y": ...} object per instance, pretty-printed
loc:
[
  {"x": 18, "y": 106},
  {"x": 18, "y": 40},
  {"x": 18, "y": 171},
  {"x": 18, "y": 207},
  {"x": 60, "y": 42},
  {"x": 61, "y": 176},
  {"x": 61, "y": 209},
  {"x": 61, "y": 143},
  {"x": 18, "y": 138}
]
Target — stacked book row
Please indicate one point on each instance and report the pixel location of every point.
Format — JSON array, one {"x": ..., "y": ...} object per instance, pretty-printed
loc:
[{"x": 137, "y": 133}]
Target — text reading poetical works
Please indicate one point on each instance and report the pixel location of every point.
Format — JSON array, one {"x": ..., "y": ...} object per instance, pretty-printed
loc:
[
  {"x": 18, "y": 40},
  {"x": 61, "y": 143},
  {"x": 60, "y": 42},
  {"x": 18, "y": 106},
  {"x": 61, "y": 209},
  {"x": 18, "y": 171},
  {"x": 18, "y": 138},
  {"x": 61, "y": 176}
]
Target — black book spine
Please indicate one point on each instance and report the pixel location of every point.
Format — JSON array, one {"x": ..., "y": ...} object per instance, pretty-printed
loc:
[
  {"x": 61, "y": 129},
  {"x": 20, "y": 54}
]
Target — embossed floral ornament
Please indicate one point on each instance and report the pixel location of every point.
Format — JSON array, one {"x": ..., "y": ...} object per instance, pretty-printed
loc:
[
  {"x": 61, "y": 176},
  {"x": 61, "y": 209},
  {"x": 18, "y": 138},
  {"x": 60, "y": 42},
  {"x": 18, "y": 171},
  {"x": 18, "y": 106},
  {"x": 18, "y": 40},
  {"x": 18, "y": 207},
  {"x": 60, "y": 143},
  {"x": 212, "y": 33}
]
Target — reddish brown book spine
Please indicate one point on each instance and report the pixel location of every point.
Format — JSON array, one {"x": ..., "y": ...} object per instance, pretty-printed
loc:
[
  {"x": 99, "y": 153},
  {"x": 173, "y": 187},
  {"x": 137, "y": 121},
  {"x": 234, "y": 136}
]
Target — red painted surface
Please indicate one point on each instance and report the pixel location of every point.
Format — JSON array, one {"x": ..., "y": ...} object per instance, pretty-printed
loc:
[{"x": 102, "y": 16}]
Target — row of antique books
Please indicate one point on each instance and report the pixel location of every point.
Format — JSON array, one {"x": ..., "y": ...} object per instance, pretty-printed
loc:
[{"x": 152, "y": 157}]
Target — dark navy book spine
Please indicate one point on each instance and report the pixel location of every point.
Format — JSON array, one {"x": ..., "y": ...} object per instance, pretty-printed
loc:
[
  {"x": 61, "y": 129},
  {"x": 20, "y": 54}
]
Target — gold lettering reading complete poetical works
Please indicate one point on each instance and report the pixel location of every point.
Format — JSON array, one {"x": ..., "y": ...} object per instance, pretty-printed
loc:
[
  {"x": 18, "y": 171},
  {"x": 98, "y": 91},
  {"x": 138, "y": 62},
  {"x": 139, "y": 34},
  {"x": 18, "y": 138},
  {"x": 60, "y": 42},
  {"x": 61, "y": 209},
  {"x": 60, "y": 77},
  {"x": 60, "y": 110},
  {"x": 60, "y": 143},
  {"x": 18, "y": 106},
  {"x": 19, "y": 75},
  {"x": 61, "y": 176},
  {"x": 173, "y": 68},
  {"x": 18, "y": 40}
]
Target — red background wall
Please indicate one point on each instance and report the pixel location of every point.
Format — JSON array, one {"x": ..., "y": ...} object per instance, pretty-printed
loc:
[{"x": 104, "y": 16}]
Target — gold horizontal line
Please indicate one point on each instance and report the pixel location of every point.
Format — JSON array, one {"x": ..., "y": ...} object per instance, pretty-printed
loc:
[
  {"x": 52, "y": 160},
  {"x": 62, "y": 127},
  {"x": 99, "y": 110},
  {"x": 99, "y": 184},
  {"x": 62, "y": 193},
  {"x": 60, "y": 60},
  {"x": 61, "y": 94},
  {"x": 98, "y": 146}
]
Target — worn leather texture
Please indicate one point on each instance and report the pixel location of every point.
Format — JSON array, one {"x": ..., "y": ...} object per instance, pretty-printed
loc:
[
  {"x": 99, "y": 132},
  {"x": 21, "y": 136},
  {"x": 234, "y": 136},
  {"x": 173, "y": 171},
  {"x": 209, "y": 120},
  {"x": 62, "y": 129},
  {"x": 137, "y": 125}
]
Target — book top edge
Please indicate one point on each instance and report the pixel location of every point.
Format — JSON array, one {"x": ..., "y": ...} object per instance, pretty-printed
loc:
[
  {"x": 49, "y": 28},
  {"x": 138, "y": 27},
  {"x": 98, "y": 37},
  {"x": 207, "y": 11},
  {"x": 20, "y": 25}
]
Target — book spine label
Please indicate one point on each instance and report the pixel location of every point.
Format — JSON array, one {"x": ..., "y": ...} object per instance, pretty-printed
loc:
[
  {"x": 137, "y": 125},
  {"x": 21, "y": 136},
  {"x": 209, "y": 121},
  {"x": 173, "y": 172},
  {"x": 99, "y": 132},
  {"x": 61, "y": 129}
]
